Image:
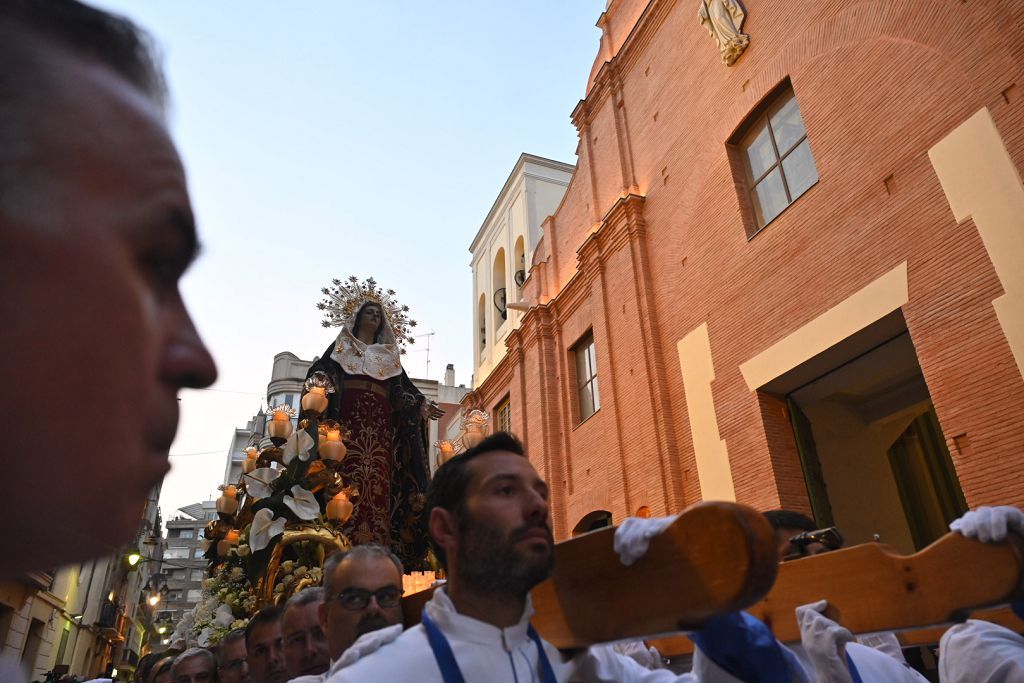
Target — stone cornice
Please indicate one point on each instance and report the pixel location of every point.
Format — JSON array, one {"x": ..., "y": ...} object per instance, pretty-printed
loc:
[
  {"x": 622, "y": 223},
  {"x": 536, "y": 321},
  {"x": 518, "y": 171},
  {"x": 573, "y": 294}
]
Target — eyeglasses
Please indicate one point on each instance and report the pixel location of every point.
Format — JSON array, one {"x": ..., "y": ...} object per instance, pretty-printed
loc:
[
  {"x": 357, "y": 598},
  {"x": 829, "y": 537}
]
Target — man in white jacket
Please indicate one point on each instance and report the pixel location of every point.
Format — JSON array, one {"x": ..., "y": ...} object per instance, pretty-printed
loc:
[
  {"x": 980, "y": 651},
  {"x": 489, "y": 525}
]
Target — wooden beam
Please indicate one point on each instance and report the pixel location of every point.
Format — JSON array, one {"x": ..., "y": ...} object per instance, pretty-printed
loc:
[
  {"x": 871, "y": 588},
  {"x": 717, "y": 557}
]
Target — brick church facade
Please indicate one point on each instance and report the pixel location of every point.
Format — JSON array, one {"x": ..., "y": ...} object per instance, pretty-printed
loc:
[{"x": 794, "y": 281}]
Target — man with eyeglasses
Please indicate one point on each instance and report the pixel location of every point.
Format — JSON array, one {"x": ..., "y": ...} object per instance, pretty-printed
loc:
[
  {"x": 305, "y": 644},
  {"x": 362, "y": 602},
  {"x": 231, "y": 664}
]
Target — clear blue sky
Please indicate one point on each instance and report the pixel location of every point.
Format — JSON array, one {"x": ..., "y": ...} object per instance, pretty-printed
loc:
[{"x": 328, "y": 138}]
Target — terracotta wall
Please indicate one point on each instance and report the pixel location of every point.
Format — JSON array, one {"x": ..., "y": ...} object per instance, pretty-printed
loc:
[{"x": 649, "y": 244}]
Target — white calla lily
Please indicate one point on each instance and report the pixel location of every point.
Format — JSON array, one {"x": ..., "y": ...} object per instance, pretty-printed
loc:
[
  {"x": 264, "y": 527},
  {"x": 257, "y": 482},
  {"x": 204, "y": 637},
  {"x": 302, "y": 503},
  {"x": 298, "y": 446},
  {"x": 223, "y": 617}
]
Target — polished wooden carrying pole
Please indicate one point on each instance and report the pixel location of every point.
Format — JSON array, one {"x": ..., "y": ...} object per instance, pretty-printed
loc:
[
  {"x": 717, "y": 557},
  {"x": 720, "y": 557},
  {"x": 871, "y": 588}
]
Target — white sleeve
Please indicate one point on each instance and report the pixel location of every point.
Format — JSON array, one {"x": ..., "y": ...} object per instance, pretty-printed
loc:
[
  {"x": 981, "y": 652},
  {"x": 602, "y": 664},
  {"x": 367, "y": 644},
  {"x": 873, "y": 665},
  {"x": 884, "y": 641}
]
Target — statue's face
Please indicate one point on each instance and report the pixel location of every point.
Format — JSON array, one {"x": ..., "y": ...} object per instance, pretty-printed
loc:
[{"x": 371, "y": 317}]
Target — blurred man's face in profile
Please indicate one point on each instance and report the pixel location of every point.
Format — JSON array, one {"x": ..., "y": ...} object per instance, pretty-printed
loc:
[
  {"x": 234, "y": 668},
  {"x": 97, "y": 231},
  {"x": 305, "y": 643}
]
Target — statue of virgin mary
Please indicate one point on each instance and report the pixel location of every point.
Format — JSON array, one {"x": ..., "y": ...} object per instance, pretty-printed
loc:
[{"x": 386, "y": 416}]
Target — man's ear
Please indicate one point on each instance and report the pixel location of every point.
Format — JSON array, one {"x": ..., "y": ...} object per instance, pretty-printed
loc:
[
  {"x": 443, "y": 529},
  {"x": 322, "y": 613}
]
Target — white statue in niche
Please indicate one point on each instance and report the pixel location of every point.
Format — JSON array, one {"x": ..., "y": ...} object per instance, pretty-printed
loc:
[{"x": 723, "y": 19}]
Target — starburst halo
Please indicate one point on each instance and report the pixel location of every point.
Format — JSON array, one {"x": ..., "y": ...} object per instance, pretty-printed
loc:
[{"x": 342, "y": 299}]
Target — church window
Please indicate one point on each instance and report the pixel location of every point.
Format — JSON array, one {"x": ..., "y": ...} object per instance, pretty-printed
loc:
[{"x": 776, "y": 159}]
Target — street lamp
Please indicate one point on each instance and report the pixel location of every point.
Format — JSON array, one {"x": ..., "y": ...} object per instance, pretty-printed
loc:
[{"x": 156, "y": 595}]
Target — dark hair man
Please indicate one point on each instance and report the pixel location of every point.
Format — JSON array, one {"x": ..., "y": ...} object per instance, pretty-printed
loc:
[
  {"x": 305, "y": 644},
  {"x": 97, "y": 229},
  {"x": 788, "y": 524},
  {"x": 194, "y": 665},
  {"x": 489, "y": 524},
  {"x": 264, "y": 647},
  {"x": 231, "y": 664}
]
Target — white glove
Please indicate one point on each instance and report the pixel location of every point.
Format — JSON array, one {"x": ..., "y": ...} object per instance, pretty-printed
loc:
[
  {"x": 989, "y": 524},
  {"x": 367, "y": 644},
  {"x": 635, "y": 534},
  {"x": 825, "y": 643}
]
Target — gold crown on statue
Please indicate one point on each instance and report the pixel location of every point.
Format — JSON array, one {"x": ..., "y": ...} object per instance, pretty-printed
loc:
[{"x": 343, "y": 298}]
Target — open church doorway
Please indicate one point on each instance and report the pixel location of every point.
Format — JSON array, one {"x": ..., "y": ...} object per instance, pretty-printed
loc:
[{"x": 871, "y": 448}]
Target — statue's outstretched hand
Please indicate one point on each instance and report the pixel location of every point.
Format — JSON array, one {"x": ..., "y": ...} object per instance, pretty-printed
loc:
[
  {"x": 989, "y": 524},
  {"x": 430, "y": 410}
]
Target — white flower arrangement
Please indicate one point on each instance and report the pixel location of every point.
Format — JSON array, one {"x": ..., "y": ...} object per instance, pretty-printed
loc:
[{"x": 228, "y": 598}]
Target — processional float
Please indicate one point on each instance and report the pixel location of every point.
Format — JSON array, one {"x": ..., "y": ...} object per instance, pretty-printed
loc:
[{"x": 284, "y": 516}]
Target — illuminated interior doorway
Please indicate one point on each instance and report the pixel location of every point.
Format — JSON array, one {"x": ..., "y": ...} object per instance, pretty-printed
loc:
[{"x": 872, "y": 451}]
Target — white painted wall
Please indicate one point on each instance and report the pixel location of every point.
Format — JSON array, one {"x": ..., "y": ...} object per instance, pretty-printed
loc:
[{"x": 531, "y": 194}]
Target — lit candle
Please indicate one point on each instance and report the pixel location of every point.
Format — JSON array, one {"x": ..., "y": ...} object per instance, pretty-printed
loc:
[
  {"x": 315, "y": 400},
  {"x": 228, "y": 503},
  {"x": 249, "y": 464},
  {"x": 331, "y": 446},
  {"x": 339, "y": 508},
  {"x": 446, "y": 451},
  {"x": 280, "y": 427},
  {"x": 230, "y": 539}
]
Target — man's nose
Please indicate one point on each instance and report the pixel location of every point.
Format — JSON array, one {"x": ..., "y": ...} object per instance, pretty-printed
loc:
[
  {"x": 537, "y": 506},
  {"x": 185, "y": 362},
  {"x": 373, "y": 606}
]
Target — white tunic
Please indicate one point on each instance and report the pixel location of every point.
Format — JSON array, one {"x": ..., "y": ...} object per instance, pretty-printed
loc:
[
  {"x": 981, "y": 652},
  {"x": 505, "y": 655}
]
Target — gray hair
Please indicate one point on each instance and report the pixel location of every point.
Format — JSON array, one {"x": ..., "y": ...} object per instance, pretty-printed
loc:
[
  {"x": 364, "y": 550},
  {"x": 108, "y": 38},
  {"x": 306, "y": 596},
  {"x": 232, "y": 636},
  {"x": 31, "y": 32},
  {"x": 194, "y": 652}
]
